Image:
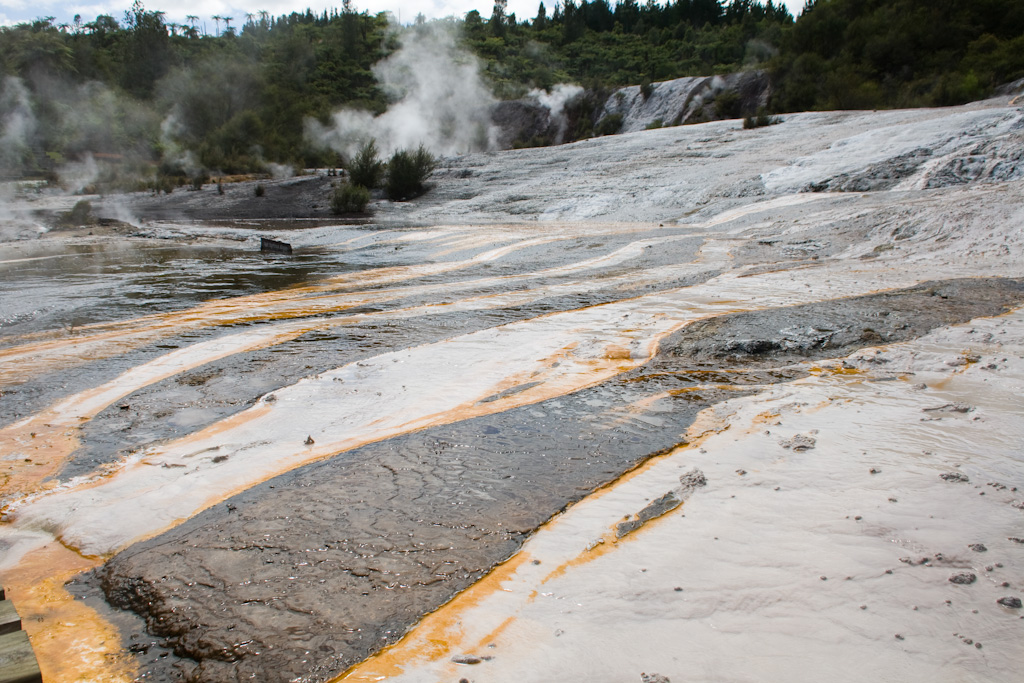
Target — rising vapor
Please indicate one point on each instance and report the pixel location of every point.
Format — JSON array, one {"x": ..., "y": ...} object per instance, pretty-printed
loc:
[{"x": 439, "y": 100}]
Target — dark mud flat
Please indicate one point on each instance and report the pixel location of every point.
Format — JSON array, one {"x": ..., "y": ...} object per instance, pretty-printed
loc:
[
  {"x": 314, "y": 570},
  {"x": 300, "y": 197}
]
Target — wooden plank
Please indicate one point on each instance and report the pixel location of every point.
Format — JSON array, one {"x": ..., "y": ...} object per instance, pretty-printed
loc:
[
  {"x": 9, "y": 619},
  {"x": 17, "y": 660}
]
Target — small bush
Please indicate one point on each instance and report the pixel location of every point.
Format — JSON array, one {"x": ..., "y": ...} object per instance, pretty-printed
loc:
[
  {"x": 407, "y": 172},
  {"x": 727, "y": 105},
  {"x": 656, "y": 123},
  {"x": 350, "y": 198},
  {"x": 80, "y": 214},
  {"x": 366, "y": 169},
  {"x": 609, "y": 125},
  {"x": 646, "y": 88},
  {"x": 761, "y": 120},
  {"x": 259, "y": 190},
  {"x": 199, "y": 180}
]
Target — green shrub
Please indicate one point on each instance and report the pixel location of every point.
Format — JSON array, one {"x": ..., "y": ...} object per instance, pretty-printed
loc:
[
  {"x": 609, "y": 125},
  {"x": 727, "y": 104},
  {"x": 656, "y": 123},
  {"x": 646, "y": 88},
  {"x": 761, "y": 120},
  {"x": 350, "y": 198},
  {"x": 366, "y": 169},
  {"x": 80, "y": 214},
  {"x": 407, "y": 172}
]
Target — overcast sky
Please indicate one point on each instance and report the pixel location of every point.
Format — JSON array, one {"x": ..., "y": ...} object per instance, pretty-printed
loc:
[{"x": 16, "y": 11}]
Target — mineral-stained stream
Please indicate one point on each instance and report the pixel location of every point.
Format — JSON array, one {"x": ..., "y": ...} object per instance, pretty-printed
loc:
[{"x": 273, "y": 468}]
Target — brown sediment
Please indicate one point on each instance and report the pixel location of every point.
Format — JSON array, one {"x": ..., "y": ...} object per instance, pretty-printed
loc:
[{"x": 72, "y": 643}]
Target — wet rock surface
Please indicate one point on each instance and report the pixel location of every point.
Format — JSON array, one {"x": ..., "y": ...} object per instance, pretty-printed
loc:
[
  {"x": 318, "y": 568},
  {"x": 833, "y": 329},
  {"x": 222, "y": 388}
]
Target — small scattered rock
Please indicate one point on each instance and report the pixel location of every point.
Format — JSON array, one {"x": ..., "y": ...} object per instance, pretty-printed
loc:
[
  {"x": 954, "y": 477},
  {"x": 654, "y": 678},
  {"x": 899, "y": 636},
  {"x": 963, "y": 578},
  {"x": 1015, "y": 539},
  {"x": 466, "y": 659},
  {"x": 309, "y": 441},
  {"x": 1011, "y": 602},
  {"x": 950, "y": 408},
  {"x": 977, "y": 547},
  {"x": 741, "y": 472},
  {"x": 875, "y": 470},
  {"x": 799, "y": 442}
]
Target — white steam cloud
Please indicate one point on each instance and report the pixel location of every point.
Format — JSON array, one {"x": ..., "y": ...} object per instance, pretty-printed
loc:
[
  {"x": 171, "y": 131},
  {"x": 75, "y": 176},
  {"x": 555, "y": 102},
  {"x": 439, "y": 100},
  {"x": 17, "y": 123}
]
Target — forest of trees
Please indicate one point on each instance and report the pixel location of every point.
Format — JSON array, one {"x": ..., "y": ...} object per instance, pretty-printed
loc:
[{"x": 170, "y": 99}]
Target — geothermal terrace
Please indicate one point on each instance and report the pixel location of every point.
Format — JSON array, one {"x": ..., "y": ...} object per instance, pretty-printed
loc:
[{"x": 698, "y": 403}]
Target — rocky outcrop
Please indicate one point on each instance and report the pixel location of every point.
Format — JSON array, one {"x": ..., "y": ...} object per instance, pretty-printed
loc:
[
  {"x": 545, "y": 119},
  {"x": 688, "y": 100}
]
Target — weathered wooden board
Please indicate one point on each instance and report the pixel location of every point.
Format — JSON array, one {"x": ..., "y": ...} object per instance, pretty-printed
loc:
[
  {"x": 17, "y": 660},
  {"x": 9, "y": 619}
]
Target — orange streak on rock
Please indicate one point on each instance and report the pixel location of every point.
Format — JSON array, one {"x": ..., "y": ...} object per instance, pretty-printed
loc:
[
  {"x": 439, "y": 634},
  {"x": 72, "y": 643}
]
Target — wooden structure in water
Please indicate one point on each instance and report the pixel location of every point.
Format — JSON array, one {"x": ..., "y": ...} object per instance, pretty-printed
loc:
[
  {"x": 17, "y": 660},
  {"x": 274, "y": 246}
]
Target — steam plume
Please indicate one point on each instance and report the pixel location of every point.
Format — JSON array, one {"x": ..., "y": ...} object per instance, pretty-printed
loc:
[
  {"x": 17, "y": 124},
  {"x": 440, "y": 100},
  {"x": 555, "y": 102}
]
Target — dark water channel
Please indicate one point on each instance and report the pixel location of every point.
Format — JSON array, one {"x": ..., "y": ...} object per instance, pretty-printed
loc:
[{"x": 74, "y": 285}]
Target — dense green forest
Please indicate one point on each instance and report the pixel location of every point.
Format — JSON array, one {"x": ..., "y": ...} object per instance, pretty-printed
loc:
[{"x": 158, "y": 99}]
